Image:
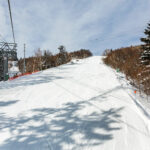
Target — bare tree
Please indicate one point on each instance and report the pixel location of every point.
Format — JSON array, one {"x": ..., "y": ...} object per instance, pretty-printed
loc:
[
  {"x": 46, "y": 59},
  {"x": 38, "y": 55}
]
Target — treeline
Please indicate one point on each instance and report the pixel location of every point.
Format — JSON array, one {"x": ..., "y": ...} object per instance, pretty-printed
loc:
[
  {"x": 45, "y": 59},
  {"x": 127, "y": 60}
]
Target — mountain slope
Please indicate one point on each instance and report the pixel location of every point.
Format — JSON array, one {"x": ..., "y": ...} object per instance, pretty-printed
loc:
[{"x": 80, "y": 105}]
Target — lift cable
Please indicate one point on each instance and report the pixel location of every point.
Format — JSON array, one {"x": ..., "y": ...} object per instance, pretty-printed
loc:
[{"x": 11, "y": 20}]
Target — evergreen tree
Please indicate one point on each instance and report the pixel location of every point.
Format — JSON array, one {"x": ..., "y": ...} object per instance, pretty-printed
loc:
[
  {"x": 62, "y": 54},
  {"x": 145, "y": 57},
  {"x": 62, "y": 49}
]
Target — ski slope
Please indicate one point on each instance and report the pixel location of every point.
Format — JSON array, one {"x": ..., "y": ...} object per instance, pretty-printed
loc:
[{"x": 77, "y": 106}]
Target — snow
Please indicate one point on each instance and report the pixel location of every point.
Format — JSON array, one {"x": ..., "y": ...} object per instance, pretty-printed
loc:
[{"x": 83, "y": 105}]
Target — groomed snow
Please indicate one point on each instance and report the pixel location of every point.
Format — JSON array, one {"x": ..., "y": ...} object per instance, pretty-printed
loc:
[{"x": 77, "y": 106}]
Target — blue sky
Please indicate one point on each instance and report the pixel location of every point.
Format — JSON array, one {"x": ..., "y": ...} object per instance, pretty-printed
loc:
[{"x": 92, "y": 24}]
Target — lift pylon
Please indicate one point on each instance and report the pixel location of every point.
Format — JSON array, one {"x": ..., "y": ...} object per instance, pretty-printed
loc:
[{"x": 8, "y": 52}]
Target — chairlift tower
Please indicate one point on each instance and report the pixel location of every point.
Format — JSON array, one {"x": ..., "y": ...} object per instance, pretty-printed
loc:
[{"x": 8, "y": 51}]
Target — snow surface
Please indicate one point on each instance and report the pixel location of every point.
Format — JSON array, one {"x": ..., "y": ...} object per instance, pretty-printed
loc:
[{"x": 78, "y": 106}]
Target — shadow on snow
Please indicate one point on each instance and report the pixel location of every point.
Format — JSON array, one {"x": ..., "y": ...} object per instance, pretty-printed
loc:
[
  {"x": 53, "y": 128},
  {"x": 7, "y": 103}
]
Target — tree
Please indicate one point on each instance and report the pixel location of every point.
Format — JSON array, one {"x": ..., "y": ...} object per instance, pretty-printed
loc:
[
  {"x": 46, "y": 59},
  {"x": 145, "y": 57},
  {"x": 47, "y": 53},
  {"x": 62, "y": 49},
  {"x": 38, "y": 57},
  {"x": 63, "y": 55}
]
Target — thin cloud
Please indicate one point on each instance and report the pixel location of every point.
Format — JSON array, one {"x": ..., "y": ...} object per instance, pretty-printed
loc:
[{"x": 76, "y": 24}]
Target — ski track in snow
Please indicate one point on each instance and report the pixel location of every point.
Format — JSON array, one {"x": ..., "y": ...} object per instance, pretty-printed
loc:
[{"x": 80, "y": 106}]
